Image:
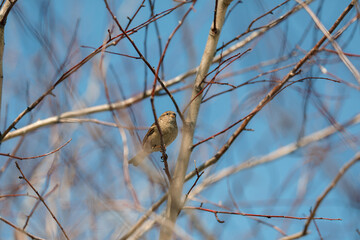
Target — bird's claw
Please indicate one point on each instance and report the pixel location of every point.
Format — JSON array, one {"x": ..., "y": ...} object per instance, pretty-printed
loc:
[{"x": 162, "y": 157}]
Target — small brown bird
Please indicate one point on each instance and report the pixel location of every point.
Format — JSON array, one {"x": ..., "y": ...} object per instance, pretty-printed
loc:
[{"x": 152, "y": 141}]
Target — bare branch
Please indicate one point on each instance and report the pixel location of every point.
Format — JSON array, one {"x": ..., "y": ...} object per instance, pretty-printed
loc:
[
  {"x": 338, "y": 49},
  {"x": 323, "y": 195},
  {"x": 42, "y": 200},
  {"x": 20, "y": 229},
  {"x": 40, "y": 156},
  {"x": 174, "y": 204},
  {"x": 257, "y": 215},
  {"x": 4, "y": 11}
]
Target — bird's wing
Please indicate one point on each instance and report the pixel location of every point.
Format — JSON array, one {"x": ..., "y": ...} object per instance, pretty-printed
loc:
[{"x": 148, "y": 134}]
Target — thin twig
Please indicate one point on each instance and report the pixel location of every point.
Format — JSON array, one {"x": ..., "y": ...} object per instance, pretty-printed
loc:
[
  {"x": 43, "y": 155},
  {"x": 338, "y": 49},
  {"x": 217, "y": 134},
  {"x": 20, "y": 230},
  {"x": 329, "y": 188},
  {"x": 263, "y": 15},
  {"x": 318, "y": 230},
  {"x": 322, "y": 197},
  {"x": 254, "y": 218},
  {"x": 36, "y": 205},
  {"x": 18, "y": 195},
  {"x": 164, "y": 158},
  {"x": 198, "y": 175},
  {"x": 42, "y": 200},
  {"x": 257, "y": 215},
  {"x": 218, "y": 71},
  {"x": 261, "y": 30},
  {"x": 142, "y": 57}
]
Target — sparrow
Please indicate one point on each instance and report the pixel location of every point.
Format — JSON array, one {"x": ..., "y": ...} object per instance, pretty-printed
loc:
[{"x": 152, "y": 141}]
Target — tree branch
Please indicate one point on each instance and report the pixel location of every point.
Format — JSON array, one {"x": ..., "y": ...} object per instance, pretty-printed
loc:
[
  {"x": 175, "y": 203},
  {"x": 4, "y": 12}
]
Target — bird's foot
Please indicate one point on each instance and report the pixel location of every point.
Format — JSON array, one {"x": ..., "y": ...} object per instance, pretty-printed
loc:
[{"x": 162, "y": 157}]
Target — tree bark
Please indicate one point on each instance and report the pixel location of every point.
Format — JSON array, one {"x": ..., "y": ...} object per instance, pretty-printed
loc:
[{"x": 175, "y": 201}]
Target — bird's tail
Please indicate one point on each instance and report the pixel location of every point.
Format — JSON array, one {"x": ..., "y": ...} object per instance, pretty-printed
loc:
[{"x": 138, "y": 158}]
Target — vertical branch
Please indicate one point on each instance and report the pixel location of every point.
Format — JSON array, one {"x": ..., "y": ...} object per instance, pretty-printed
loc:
[
  {"x": 2, "y": 42},
  {"x": 174, "y": 203},
  {"x": 4, "y": 11},
  {"x": 122, "y": 134}
]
